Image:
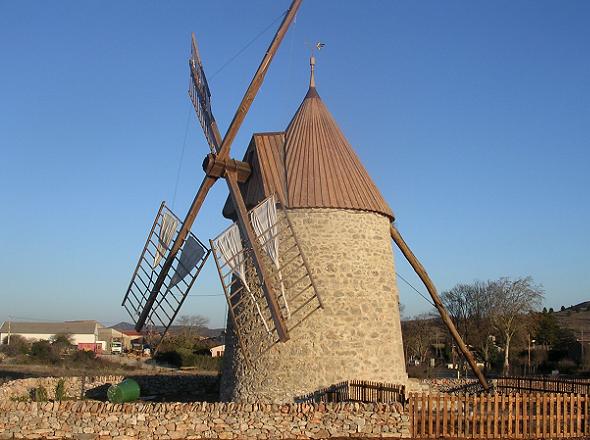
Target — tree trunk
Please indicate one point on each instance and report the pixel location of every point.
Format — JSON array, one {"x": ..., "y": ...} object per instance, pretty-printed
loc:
[{"x": 506, "y": 355}]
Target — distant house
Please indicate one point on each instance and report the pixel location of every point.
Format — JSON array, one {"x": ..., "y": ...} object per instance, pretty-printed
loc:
[
  {"x": 110, "y": 335},
  {"x": 84, "y": 334},
  {"x": 217, "y": 351},
  {"x": 131, "y": 337}
]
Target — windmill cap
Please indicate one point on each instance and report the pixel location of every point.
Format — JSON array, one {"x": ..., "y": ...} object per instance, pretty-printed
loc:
[{"x": 311, "y": 165}]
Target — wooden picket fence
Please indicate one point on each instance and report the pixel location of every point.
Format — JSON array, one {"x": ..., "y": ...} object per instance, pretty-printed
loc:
[
  {"x": 358, "y": 391},
  {"x": 546, "y": 415}
]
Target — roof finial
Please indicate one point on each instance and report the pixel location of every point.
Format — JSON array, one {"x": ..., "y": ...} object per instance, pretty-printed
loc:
[
  {"x": 318, "y": 46},
  {"x": 312, "y": 76}
]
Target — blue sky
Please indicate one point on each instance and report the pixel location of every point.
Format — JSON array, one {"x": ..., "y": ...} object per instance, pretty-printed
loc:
[{"x": 473, "y": 118}]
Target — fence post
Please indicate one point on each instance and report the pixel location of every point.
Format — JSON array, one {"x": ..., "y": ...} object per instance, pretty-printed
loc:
[
  {"x": 558, "y": 399},
  {"x": 411, "y": 413},
  {"x": 578, "y": 415},
  {"x": 509, "y": 431},
  {"x": 553, "y": 412},
  {"x": 451, "y": 429},
  {"x": 444, "y": 420}
]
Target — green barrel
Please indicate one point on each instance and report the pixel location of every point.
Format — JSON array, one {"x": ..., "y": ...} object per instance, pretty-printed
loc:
[{"x": 126, "y": 391}]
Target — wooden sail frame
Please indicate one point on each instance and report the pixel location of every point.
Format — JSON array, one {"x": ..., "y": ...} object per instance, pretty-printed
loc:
[
  {"x": 172, "y": 295},
  {"x": 300, "y": 289}
]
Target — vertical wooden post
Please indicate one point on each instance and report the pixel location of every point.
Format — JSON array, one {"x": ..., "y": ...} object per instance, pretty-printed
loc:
[
  {"x": 412, "y": 416},
  {"x": 586, "y": 422},
  {"x": 474, "y": 431},
  {"x": 496, "y": 420},
  {"x": 544, "y": 413},
  {"x": 467, "y": 414},
  {"x": 438, "y": 415},
  {"x": 482, "y": 402},
  {"x": 444, "y": 417},
  {"x": 423, "y": 415},
  {"x": 551, "y": 413},
  {"x": 578, "y": 415},
  {"x": 560, "y": 415},
  {"x": 572, "y": 414},
  {"x": 489, "y": 415},
  {"x": 502, "y": 416},
  {"x": 460, "y": 413},
  {"x": 451, "y": 430},
  {"x": 509, "y": 431},
  {"x": 517, "y": 415},
  {"x": 538, "y": 415},
  {"x": 525, "y": 413}
]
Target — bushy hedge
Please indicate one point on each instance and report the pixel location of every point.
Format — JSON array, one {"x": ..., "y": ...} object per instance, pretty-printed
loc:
[{"x": 186, "y": 357}]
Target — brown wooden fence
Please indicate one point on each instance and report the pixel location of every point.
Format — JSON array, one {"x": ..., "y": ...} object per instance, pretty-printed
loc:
[
  {"x": 542, "y": 384},
  {"x": 538, "y": 415},
  {"x": 358, "y": 391}
]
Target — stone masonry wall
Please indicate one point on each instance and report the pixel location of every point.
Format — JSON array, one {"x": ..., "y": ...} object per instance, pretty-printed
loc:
[
  {"x": 170, "y": 388},
  {"x": 357, "y": 336},
  {"x": 104, "y": 421}
]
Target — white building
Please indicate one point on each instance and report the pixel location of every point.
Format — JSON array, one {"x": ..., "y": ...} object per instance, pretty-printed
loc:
[
  {"x": 217, "y": 351},
  {"x": 84, "y": 334}
]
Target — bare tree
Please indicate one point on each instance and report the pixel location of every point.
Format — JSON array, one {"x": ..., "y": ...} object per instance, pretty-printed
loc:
[
  {"x": 192, "y": 324},
  {"x": 419, "y": 334},
  {"x": 514, "y": 300},
  {"x": 470, "y": 307}
]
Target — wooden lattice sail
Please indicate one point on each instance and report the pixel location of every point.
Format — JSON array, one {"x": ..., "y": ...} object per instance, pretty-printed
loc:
[
  {"x": 288, "y": 270},
  {"x": 186, "y": 266}
]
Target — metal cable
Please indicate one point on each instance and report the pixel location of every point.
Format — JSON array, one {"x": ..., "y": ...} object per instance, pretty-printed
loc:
[
  {"x": 224, "y": 65},
  {"x": 416, "y": 290},
  {"x": 188, "y": 117}
]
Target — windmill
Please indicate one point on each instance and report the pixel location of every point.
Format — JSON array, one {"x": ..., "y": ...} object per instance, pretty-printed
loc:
[{"x": 312, "y": 232}]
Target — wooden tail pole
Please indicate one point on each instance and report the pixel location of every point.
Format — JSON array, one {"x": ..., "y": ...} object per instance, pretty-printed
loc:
[{"x": 421, "y": 272}]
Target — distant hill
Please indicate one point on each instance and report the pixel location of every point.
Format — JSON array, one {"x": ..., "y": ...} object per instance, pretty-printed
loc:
[
  {"x": 207, "y": 332},
  {"x": 123, "y": 326},
  {"x": 576, "y": 318}
]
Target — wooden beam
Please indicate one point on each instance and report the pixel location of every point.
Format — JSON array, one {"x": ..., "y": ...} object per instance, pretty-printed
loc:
[
  {"x": 256, "y": 82},
  {"x": 421, "y": 272},
  {"x": 263, "y": 275},
  {"x": 216, "y": 167}
]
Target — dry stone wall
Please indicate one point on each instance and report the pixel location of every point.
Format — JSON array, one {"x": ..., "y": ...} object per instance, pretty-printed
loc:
[
  {"x": 85, "y": 420},
  {"x": 177, "y": 388},
  {"x": 357, "y": 335}
]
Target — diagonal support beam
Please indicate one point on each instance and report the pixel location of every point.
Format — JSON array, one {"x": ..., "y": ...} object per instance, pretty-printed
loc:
[{"x": 421, "y": 272}]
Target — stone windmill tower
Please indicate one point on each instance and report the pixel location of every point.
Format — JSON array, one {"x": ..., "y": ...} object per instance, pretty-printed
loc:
[
  {"x": 342, "y": 223},
  {"x": 307, "y": 267}
]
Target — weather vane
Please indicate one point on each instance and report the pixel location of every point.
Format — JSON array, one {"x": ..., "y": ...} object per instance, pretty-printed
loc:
[{"x": 316, "y": 47}]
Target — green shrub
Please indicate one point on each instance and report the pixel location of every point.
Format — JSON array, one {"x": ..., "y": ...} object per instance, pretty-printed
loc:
[
  {"x": 44, "y": 352},
  {"x": 40, "y": 394},
  {"x": 18, "y": 346},
  {"x": 60, "y": 390},
  {"x": 184, "y": 357}
]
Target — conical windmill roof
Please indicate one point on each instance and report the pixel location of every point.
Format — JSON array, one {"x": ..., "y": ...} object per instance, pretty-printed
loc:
[
  {"x": 322, "y": 169},
  {"x": 311, "y": 165}
]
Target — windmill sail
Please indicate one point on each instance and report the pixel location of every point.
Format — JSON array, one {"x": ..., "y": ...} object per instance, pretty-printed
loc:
[
  {"x": 200, "y": 96},
  {"x": 187, "y": 265},
  {"x": 286, "y": 265},
  {"x": 264, "y": 222},
  {"x": 167, "y": 229},
  {"x": 230, "y": 247}
]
